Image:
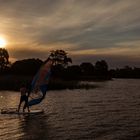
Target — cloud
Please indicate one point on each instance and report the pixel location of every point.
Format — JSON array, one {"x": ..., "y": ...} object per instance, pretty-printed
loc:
[
  {"x": 78, "y": 26},
  {"x": 18, "y": 51}
]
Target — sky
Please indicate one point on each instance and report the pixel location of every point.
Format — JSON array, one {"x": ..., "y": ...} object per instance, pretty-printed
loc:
[{"x": 88, "y": 30}]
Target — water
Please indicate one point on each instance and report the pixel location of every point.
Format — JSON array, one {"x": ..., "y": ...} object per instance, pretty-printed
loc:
[{"x": 109, "y": 112}]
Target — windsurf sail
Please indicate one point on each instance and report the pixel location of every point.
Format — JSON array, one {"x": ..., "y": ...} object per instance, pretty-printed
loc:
[{"x": 39, "y": 83}]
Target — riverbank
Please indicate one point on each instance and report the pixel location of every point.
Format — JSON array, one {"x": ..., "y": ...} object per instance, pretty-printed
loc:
[{"x": 14, "y": 82}]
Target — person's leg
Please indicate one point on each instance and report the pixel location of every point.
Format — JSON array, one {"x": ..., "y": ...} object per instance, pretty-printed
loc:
[
  {"x": 19, "y": 104},
  {"x": 26, "y": 104},
  {"x": 19, "y": 107},
  {"x": 28, "y": 108}
]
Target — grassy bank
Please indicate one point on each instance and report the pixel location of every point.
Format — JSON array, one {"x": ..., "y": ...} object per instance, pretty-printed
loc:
[{"x": 14, "y": 82}]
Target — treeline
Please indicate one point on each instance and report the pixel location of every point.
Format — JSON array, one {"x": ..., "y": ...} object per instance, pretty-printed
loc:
[
  {"x": 63, "y": 74},
  {"x": 84, "y": 71},
  {"x": 23, "y": 71},
  {"x": 126, "y": 72}
]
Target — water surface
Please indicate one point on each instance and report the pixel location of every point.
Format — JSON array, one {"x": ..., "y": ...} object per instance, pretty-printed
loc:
[{"x": 109, "y": 112}]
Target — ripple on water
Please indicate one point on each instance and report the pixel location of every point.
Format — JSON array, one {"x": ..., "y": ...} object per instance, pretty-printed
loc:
[{"x": 109, "y": 112}]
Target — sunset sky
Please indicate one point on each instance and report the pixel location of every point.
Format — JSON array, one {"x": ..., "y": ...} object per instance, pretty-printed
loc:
[{"x": 89, "y": 30}]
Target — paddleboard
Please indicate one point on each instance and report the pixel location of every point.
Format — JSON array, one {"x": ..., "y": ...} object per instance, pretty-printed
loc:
[{"x": 14, "y": 111}]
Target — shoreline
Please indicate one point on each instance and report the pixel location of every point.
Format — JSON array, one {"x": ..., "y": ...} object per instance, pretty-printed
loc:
[{"x": 13, "y": 82}]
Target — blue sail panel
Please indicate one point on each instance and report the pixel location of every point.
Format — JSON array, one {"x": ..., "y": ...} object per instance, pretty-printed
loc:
[
  {"x": 43, "y": 89},
  {"x": 40, "y": 83}
]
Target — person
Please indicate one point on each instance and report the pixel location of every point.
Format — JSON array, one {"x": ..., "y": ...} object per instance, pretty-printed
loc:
[{"x": 24, "y": 98}]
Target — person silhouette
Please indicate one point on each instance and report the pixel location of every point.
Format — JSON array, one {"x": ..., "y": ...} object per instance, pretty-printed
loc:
[{"x": 23, "y": 98}]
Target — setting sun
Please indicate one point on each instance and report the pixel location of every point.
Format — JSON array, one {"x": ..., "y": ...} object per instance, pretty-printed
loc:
[{"x": 2, "y": 42}]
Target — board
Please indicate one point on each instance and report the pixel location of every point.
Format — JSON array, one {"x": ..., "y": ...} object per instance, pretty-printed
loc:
[{"x": 14, "y": 111}]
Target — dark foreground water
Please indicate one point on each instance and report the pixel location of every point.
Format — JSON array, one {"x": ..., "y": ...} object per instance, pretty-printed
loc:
[{"x": 109, "y": 112}]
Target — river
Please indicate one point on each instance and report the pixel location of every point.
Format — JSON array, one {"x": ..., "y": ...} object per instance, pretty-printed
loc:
[{"x": 109, "y": 112}]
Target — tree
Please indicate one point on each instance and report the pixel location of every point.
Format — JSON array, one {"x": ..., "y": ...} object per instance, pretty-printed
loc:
[
  {"x": 61, "y": 61},
  {"x": 26, "y": 66},
  {"x": 60, "y": 57},
  {"x": 101, "y": 67},
  {"x": 87, "y": 68},
  {"x": 4, "y": 59},
  {"x": 73, "y": 72}
]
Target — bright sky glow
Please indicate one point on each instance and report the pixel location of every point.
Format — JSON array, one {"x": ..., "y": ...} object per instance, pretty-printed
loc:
[{"x": 2, "y": 42}]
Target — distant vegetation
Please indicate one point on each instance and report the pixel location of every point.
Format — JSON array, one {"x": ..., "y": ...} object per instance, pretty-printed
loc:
[
  {"x": 126, "y": 72},
  {"x": 13, "y": 74}
]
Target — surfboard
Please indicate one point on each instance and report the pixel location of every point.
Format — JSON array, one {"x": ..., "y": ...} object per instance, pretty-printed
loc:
[{"x": 14, "y": 111}]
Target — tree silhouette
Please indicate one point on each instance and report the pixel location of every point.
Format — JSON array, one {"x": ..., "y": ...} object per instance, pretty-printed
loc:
[
  {"x": 125, "y": 72},
  {"x": 26, "y": 66},
  {"x": 101, "y": 67},
  {"x": 87, "y": 68},
  {"x": 60, "y": 57},
  {"x": 73, "y": 72},
  {"x": 4, "y": 59}
]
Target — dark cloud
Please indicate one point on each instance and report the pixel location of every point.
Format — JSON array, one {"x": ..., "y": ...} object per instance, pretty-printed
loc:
[
  {"x": 114, "y": 61},
  {"x": 29, "y": 53},
  {"x": 22, "y": 8}
]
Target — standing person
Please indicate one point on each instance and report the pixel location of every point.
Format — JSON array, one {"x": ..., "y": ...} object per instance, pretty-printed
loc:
[{"x": 23, "y": 98}]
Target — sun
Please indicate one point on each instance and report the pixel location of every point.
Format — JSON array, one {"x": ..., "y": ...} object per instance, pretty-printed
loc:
[{"x": 3, "y": 42}]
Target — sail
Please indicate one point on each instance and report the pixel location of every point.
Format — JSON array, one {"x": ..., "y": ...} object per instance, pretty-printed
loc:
[{"x": 39, "y": 83}]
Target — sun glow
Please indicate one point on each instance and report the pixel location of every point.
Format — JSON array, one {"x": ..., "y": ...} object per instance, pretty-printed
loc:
[{"x": 3, "y": 42}]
